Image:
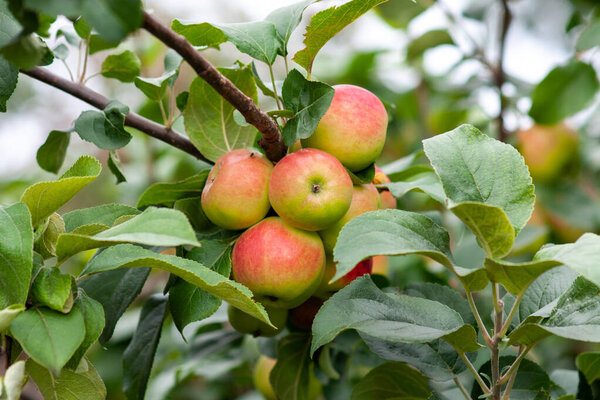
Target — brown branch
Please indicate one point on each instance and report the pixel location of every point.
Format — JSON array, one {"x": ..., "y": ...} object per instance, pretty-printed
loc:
[
  {"x": 499, "y": 72},
  {"x": 133, "y": 120},
  {"x": 271, "y": 141}
]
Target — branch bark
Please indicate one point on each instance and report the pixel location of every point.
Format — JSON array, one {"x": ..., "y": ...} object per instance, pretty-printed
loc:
[
  {"x": 133, "y": 120},
  {"x": 499, "y": 72},
  {"x": 271, "y": 141}
]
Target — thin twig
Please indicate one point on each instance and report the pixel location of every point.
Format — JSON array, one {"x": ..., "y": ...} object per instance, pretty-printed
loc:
[
  {"x": 462, "y": 388},
  {"x": 522, "y": 353},
  {"x": 85, "y": 60},
  {"x": 279, "y": 106},
  {"x": 494, "y": 351},
  {"x": 271, "y": 141},
  {"x": 133, "y": 120},
  {"x": 512, "y": 312},
  {"x": 476, "y": 375},
  {"x": 480, "y": 324}
]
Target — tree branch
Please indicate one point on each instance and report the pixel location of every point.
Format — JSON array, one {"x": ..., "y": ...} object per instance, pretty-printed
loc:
[
  {"x": 133, "y": 120},
  {"x": 271, "y": 141},
  {"x": 499, "y": 71}
]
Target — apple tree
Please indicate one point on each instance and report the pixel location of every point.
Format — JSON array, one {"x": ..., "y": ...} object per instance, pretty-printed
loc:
[{"x": 278, "y": 259}]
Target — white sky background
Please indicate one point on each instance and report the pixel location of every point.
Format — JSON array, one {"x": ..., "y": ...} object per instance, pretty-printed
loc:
[{"x": 529, "y": 57}]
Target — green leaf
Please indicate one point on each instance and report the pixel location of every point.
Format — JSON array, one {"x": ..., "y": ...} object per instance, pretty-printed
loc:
[
  {"x": 189, "y": 303},
  {"x": 45, "y": 245},
  {"x": 580, "y": 256},
  {"x": 428, "y": 40},
  {"x": 154, "y": 227},
  {"x": 589, "y": 364},
  {"x": 8, "y": 314},
  {"x": 16, "y": 254},
  {"x": 590, "y": 37},
  {"x": 139, "y": 354},
  {"x": 104, "y": 128},
  {"x": 26, "y": 52},
  {"x": 9, "y": 26},
  {"x": 257, "y": 39},
  {"x": 115, "y": 291},
  {"x": 14, "y": 380},
  {"x": 364, "y": 176},
  {"x": 128, "y": 256},
  {"x": 365, "y": 308},
  {"x": 44, "y": 198},
  {"x": 291, "y": 375},
  {"x": 41, "y": 333},
  {"x": 166, "y": 193},
  {"x": 397, "y": 232},
  {"x": 573, "y": 316},
  {"x": 444, "y": 295},
  {"x": 154, "y": 88},
  {"x": 286, "y": 19},
  {"x": 9, "y": 75},
  {"x": 114, "y": 165},
  {"x": 93, "y": 317},
  {"x": 202, "y": 35},
  {"x": 209, "y": 117},
  {"x": 51, "y": 155},
  {"x": 181, "y": 100},
  {"x": 113, "y": 19},
  {"x": 326, "y": 24},
  {"x": 106, "y": 214},
  {"x": 575, "y": 81},
  {"x": 417, "y": 178},
  {"x": 476, "y": 169},
  {"x": 82, "y": 384},
  {"x": 52, "y": 288},
  {"x": 97, "y": 44},
  {"x": 402, "y": 382},
  {"x": 61, "y": 52},
  {"x": 125, "y": 66},
  {"x": 309, "y": 100}
]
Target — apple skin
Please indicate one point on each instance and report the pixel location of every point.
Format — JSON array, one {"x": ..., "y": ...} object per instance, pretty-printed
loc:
[
  {"x": 547, "y": 150},
  {"x": 244, "y": 323},
  {"x": 260, "y": 377},
  {"x": 364, "y": 198},
  {"x": 304, "y": 315},
  {"x": 236, "y": 192},
  {"x": 310, "y": 189},
  {"x": 385, "y": 197},
  {"x": 353, "y": 129},
  {"x": 381, "y": 265},
  {"x": 326, "y": 289},
  {"x": 280, "y": 264}
]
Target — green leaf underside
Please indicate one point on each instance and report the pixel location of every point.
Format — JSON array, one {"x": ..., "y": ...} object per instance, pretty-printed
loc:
[
  {"x": 83, "y": 384},
  {"x": 589, "y": 364},
  {"x": 208, "y": 117},
  {"x": 104, "y": 128},
  {"x": 475, "y": 168},
  {"x": 127, "y": 256},
  {"x": 424, "y": 180},
  {"x": 51, "y": 155},
  {"x": 139, "y": 354},
  {"x": 166, "y": 193},
  {"x": 309, "y": 100},
  {"x": 574, "y": 315},
  {"x": 41, "y": 333},
  {"x": 326, "y": 24},
  {"x": 580, "y": 256},
  {"x": 154, "y": 227},
  {"x": 8, "y": 314},
  {"x": 16, "y": 254},
  {"x": 9, "y": 75},
  {"x": 114, "y": 165},
  {"x": 291, "y": 375},
  {"x": 402, "y": 382},
  {"x": 365, "y": 308},
  {"x": 93, "y": 318},
  {"x": 286, "y": 19},
  {"x": 105, "y": 214},
  {"x": 44, "y": 198},
  {"x": 590, "y": 37},
  {"x": 189, "y": 303}
]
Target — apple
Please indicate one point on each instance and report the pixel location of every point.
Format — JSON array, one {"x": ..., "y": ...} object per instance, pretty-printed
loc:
[
  {"x": 244, "y": 323},
  {"x": 280, "y": 264},
  {"x": 547, "y": 150},
  {"x": 381, "y": 265},
  {"x": 310, "y": 189},
  {"x": 261, "y": 375},
  {"x": 325, "y": 288},
  {"x": 386, "y": 198},
  {"x": 364, "y": 198},
  {"x": 353, "y": 129},
  {"x": 304, "y": 315},
  {"x": 235, "y": 195}
]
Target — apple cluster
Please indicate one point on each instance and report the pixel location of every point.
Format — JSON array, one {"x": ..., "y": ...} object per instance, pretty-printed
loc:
[{"x": 293, "y": 212}]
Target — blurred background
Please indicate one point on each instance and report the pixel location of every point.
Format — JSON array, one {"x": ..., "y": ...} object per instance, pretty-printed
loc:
[{"x": 435, "y": 64}]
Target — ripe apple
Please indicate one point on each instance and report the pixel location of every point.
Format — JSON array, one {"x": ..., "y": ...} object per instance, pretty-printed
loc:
[
  {"x": 385, "y": 197},
  {"x": 282, "y": 265},
  {"x": 364, "y": 198},
  {"x": 310, "y": 189},
  {"x": 244, "y": 323},
  {"x": 304, "y": 315},
  {"x": 326, "y": 289},
  {"x": 260, "y": 377},
  {"x": 236, "y": 192},
  {"x": 547, "y": 150},
  {"x": 381, "y": 265},
  {"x": 353, "y": 129}
]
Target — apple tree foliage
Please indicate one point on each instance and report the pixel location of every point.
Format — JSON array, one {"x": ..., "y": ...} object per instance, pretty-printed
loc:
[{"x": 377, "y": 338}]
